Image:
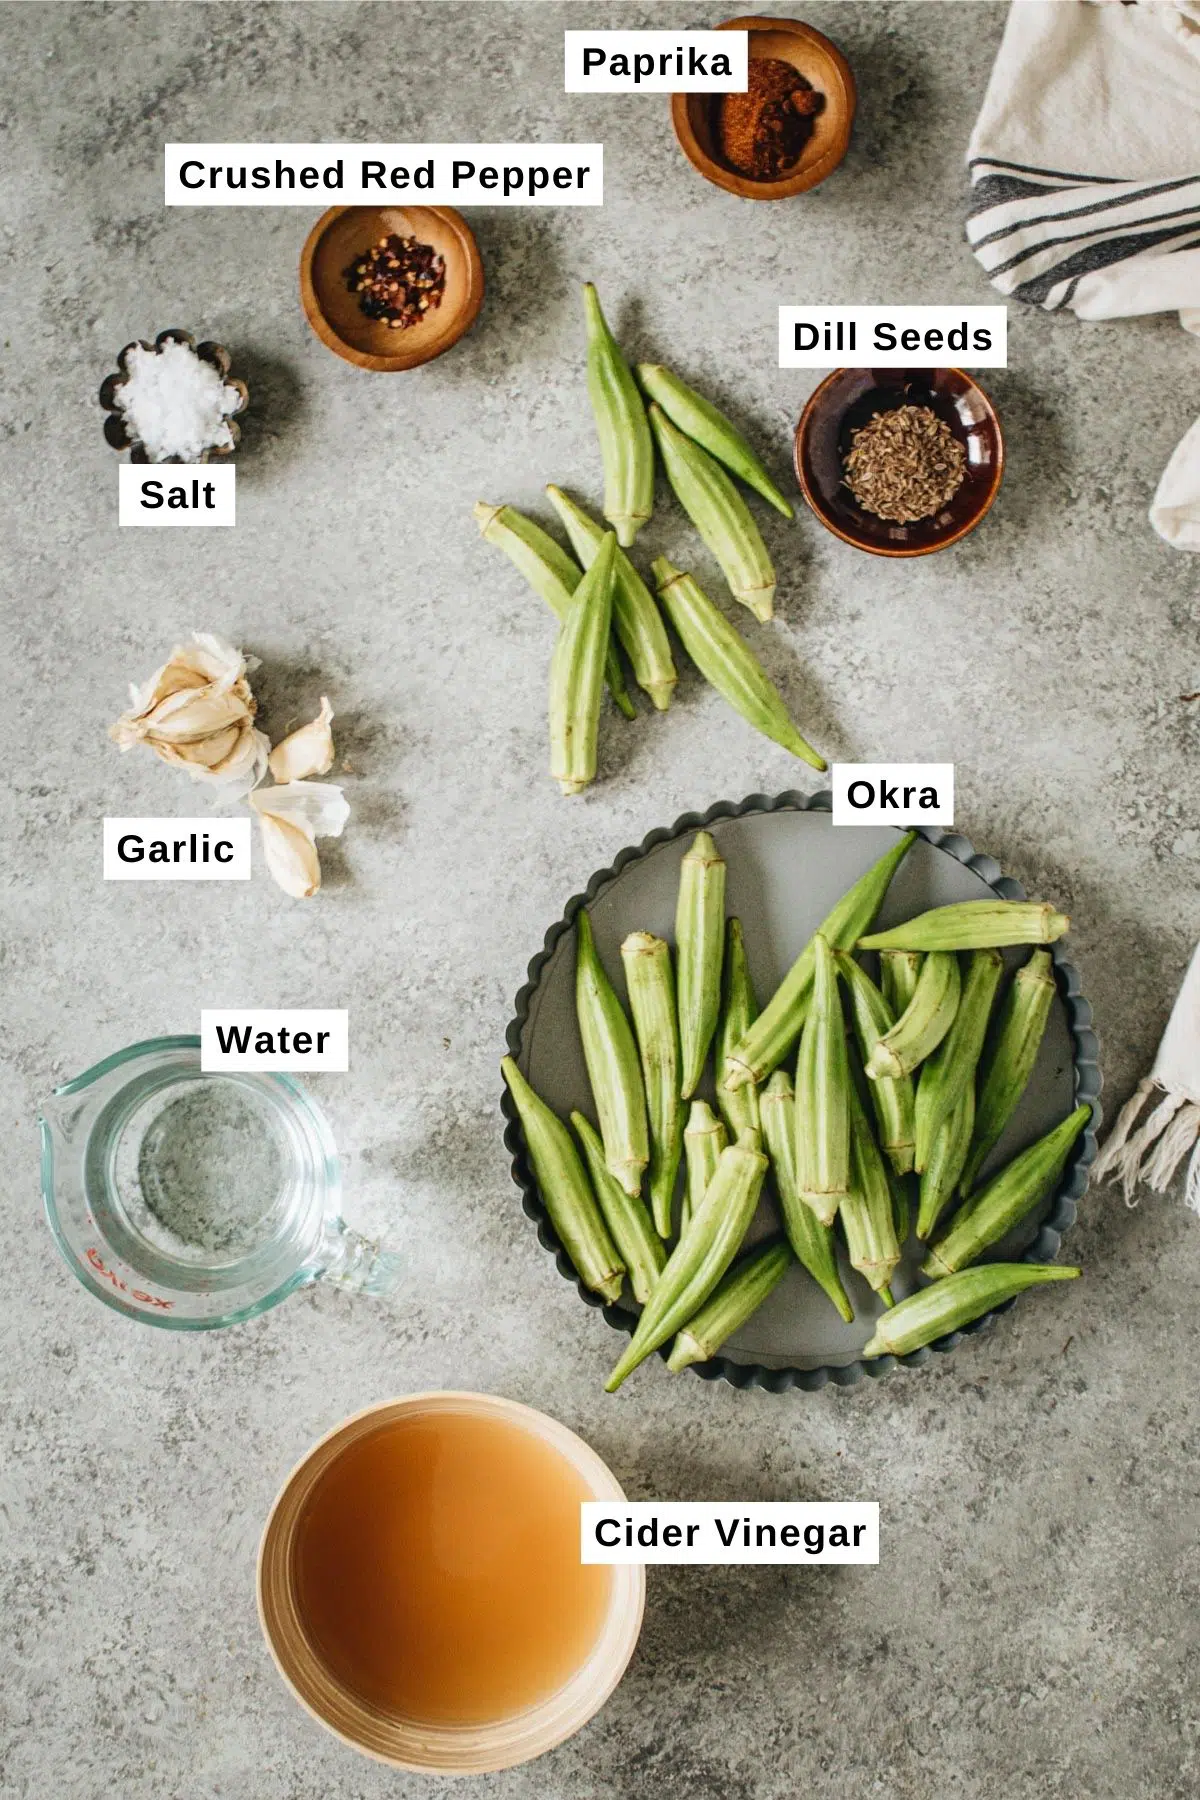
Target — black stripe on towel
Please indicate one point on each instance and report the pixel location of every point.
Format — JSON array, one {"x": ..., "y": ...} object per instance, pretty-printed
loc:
[
  {"x": 1086, "y": 262},
  {"x": 1086, "y": 212},
  {"x": 1124, "y": 242},
  {"x": 999, "y": 162}
]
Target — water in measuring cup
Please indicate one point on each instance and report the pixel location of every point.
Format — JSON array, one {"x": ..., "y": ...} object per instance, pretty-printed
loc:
[{"x": 198, "y": 1171}]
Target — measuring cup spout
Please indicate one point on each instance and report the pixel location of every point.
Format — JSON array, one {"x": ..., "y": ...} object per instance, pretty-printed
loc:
[{"x": 358, "y": 1264}]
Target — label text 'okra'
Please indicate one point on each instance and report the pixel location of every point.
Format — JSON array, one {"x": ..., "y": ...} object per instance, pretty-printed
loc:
[{"x": 729, "y": 1531}]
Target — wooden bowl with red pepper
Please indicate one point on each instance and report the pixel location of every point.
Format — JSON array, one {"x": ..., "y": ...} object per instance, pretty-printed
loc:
[
  {"x": 784, "y": 135},
  {"x": 390, "y": 287}
]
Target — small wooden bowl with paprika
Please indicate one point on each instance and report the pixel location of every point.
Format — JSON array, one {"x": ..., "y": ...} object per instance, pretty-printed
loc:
[{"x": 747, "y": 144}]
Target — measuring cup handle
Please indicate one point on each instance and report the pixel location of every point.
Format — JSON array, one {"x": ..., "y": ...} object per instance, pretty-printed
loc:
[{"x": 359, "y": 1264}]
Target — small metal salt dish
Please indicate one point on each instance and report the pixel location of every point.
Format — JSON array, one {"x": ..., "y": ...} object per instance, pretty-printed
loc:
[{"x": 116, "y": 426}]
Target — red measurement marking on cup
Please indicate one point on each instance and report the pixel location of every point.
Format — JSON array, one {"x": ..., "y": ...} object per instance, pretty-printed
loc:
[{"x": 101, "y": 1267}]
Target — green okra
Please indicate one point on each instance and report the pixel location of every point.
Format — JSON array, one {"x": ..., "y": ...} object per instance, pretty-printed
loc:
[
  {"x": 566, "y": 1193},
  {"x": 946, "y": 1158},
  {"x": 632, "y": 1229},
  {"x": 626, "y": 447},
  {"x": 699, "y": 946},
  {"x": 974, "y": 925},
  {"x": 950, "y": 1070},
  {"x": 577, "y": 675},
  {"x": 650, "y": 980},
  {"x": 708, "y": 427},
  {"x": 612, "y": 1064},
  {"x": 777, "y": 1027},
  {"x": 934, "y": 1312},
  {"x": 1009, "y": 1057},
  {"x": 902, "y": 1207},
  {"x": 922, "y": 1026},
  {"x": 1008, "y": 1198},
  {"x": 703, "y": 1141},
  {"x": 867, "y": 1212},
  {"x": 739, "y": 1009},
  {"x": 813, "y": 1243},
  {"x": 892, "y": 1096},
  {"x": 898, "y": 971},
  {"x": 636, "y": 620},
  {"x": 720, "y": 515},
  {"x": 822, "y": 1126},
  {"x": 708, "y": 1244},
  {"x": 551, "y": 573},
  {"x": 726, "y": 661},
  {"x": 738, "y": 1295}
]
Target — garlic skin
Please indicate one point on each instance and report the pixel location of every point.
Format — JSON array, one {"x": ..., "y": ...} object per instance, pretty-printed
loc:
[
  {"x": 197, "y": 713},
  {"x": 307, "y": 751},
  {"x": 291, "y": 817}
]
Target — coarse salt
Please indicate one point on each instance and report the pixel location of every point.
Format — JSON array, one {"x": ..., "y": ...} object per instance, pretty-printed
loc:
[{"x": 175, "y": 403}]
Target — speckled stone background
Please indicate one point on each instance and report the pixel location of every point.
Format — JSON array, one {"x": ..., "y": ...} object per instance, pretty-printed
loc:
[{"x": 1032, "y": 1627}]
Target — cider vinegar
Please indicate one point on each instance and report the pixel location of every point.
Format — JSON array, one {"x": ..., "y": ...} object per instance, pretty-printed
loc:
[{"x": 437, "y": 1569}]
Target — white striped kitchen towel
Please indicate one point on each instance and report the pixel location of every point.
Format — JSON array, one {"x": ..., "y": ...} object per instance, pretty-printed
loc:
[{"x": 1085, "y": 178}]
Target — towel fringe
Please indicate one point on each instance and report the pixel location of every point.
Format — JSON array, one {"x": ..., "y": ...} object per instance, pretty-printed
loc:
[{"x": 1152, "y": 1151}]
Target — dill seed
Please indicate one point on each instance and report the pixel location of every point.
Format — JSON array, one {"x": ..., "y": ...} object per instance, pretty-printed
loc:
[{"x": 905, "y": 465}]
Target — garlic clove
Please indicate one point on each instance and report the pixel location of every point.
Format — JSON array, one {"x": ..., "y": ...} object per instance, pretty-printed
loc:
[
  {"x": 291, "y": 855},
  {"x": 318, "y": 805},
  {"x": 195, "y": 713},
  {"x": 308, "y": 751}
]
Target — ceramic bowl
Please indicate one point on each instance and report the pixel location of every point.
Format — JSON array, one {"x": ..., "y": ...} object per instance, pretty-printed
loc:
[
  {"x": 822, "y": 65},
  {"x": 116, "y": 428},
  {"x": 440, "y": 1749},
  {"x": 342, "y": 235},
  {"x": 844, "y": 402},
  {"x": 787, "y": 865}
]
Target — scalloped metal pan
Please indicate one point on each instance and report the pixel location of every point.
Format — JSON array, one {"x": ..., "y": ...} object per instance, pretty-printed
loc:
[{"x": 787, "y": 866}]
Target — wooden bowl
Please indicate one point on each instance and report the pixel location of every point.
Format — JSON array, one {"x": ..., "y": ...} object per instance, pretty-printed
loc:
[
  {"x": 440, "y": 1749},
  {"x": 340, "y": 236},
  {"x": 844, "y": 402},
  {"x": 822, "y": 65}
]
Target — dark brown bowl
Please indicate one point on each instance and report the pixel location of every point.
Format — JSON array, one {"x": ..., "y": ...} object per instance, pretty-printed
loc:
[
  {"x": 116, "y": 428},
  {"x": 343, "y": 234},
  {"x": 844, "y": 402},
  {"x": 822, "y": 65}
]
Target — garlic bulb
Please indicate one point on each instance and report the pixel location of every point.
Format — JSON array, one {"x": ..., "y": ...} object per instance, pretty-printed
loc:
[
  {"x": 308, "y": 751},
  {"x": 197, "y": 712},
  {"x": 291, "y": 817}
]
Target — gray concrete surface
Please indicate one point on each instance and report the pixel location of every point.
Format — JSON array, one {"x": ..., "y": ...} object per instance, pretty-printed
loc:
[{"x": 1032, "y": 1628}]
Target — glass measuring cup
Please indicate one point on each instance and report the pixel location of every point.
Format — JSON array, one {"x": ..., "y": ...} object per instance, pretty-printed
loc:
[{"x": 193, "y": 1200}]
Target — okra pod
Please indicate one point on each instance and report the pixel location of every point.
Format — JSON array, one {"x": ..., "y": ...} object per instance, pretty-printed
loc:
[
  {"x": 934, "y": 1312},
  {"x": 1009, "y": 1057},
  {"x": 632, "y": 1229},
  {"x": 778, "y": 1026},
  {"x": 703, "y": 1142},
  {"x": 739, "y": 1295},
  {"x": 708, "y": 427},
  {"x": 612, "y": 1064},
  {"x": 1008, "y": 1198},
  {"x": 813, "y": 1243},
  {"x": 866, "y": 1212},
  {"x": 922, "y": 1026},
  {"x": 726, "y": 661},
  {"x": 823, "y": 1095},
  {"x": 709, "y": 1242},
  {"x": 626, "y": 447},
  {"x": 577, "y": 675},
  {"x": 946, "y": 1159},
  {"x": 551, "y": 573},
  {"x": 898, "y": 971},
  {"x": 650, "y": 980},
  {"x": 637, "y": 621},
  {"x": 739, "y": 1009},
  {"x": 699, "y": 944},
  {"x": 892, "y": 1096},
  {"x": 565, "y": 1190},
  {"x": 720, "y": 515},
  {"x": 974, "y": 925},
  {"x": 951, "y": 1068}
]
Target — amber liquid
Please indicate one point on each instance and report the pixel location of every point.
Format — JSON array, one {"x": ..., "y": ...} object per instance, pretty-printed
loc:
[{"x": 438, "y": 1573}]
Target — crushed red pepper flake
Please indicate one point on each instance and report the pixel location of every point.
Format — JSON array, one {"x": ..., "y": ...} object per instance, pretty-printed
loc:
[{"x": 398, "y": 280}]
